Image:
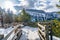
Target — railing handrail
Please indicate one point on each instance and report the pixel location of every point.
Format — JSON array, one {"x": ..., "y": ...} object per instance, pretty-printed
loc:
[
  {"x": 7, "y": 36},
  {"x": 43, "y": 27},
  {"x": 43, "y": 33}
]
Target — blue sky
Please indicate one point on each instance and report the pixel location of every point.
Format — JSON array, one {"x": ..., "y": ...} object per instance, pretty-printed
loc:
[{"x": 46, "y": 5}]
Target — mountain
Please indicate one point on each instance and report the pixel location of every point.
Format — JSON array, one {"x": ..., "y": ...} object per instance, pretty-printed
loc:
[
  {"x": 31, "y": 10},
  {"x": 34, "y": 10},
  {"x": 18, "y": 8}
]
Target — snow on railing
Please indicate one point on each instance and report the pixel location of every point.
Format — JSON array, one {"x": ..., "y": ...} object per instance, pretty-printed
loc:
[{"x": 16, "y": 30}]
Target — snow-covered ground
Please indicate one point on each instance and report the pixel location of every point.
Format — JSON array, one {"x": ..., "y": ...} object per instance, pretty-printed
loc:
[
  {"x": 29, "y": 33},
  {"x": 4, "y": 31},
  {"x": 56, "y": 38}
]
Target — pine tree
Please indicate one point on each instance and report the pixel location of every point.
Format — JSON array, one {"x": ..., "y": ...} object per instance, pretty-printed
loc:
[{"x": 24, "y": 17}]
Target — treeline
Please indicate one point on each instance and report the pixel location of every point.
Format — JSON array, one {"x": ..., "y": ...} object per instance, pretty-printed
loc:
[
  {"x": 9, "y": 17},
  {"x": 23, "y": 17},
  {"x": 6, "y": 17}
]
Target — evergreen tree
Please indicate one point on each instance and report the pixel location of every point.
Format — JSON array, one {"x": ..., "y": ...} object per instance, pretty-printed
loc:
[
  {"x": 56, "y": 28},
  {"x": 24, "y": 17}
]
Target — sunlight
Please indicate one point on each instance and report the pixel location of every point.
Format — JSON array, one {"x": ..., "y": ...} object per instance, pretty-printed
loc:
[{"x": 8, "y": 4}]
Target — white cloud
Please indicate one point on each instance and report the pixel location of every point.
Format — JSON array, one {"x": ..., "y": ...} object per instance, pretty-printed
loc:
[
  {"x": 50, "y": 5},
  {"x": 53, "y": 4},
  {"x": 22, "y": 0},
  {"x": 52, "y": 9},
  {"x": 27, "y": 3},
  {"x": 47, "y": 5},
  {"x": 24, "y": 3},
  {"x": 38, "y": 5},
  {"x": 8, "y": 5}
]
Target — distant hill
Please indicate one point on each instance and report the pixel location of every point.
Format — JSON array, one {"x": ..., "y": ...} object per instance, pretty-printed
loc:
[
  {"x": 34, "y": 10},
  {"x": 31, "y": 10},
  {"x": 18, "y": 8}
]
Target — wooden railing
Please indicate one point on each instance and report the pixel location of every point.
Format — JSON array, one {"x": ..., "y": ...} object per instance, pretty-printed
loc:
[
  {"x": 43, "y": 32},
  {"x": 16, "y": 30}
]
